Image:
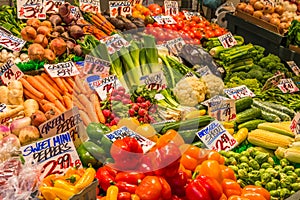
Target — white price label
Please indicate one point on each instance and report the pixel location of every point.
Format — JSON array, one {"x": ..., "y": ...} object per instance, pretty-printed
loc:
[
  {"x": 175, "y": 45},
  {"x": 94, "y": 81},
  {"x": 10, "y": 72},
  {"x": 160, "y": 19},
  {"x": 106, "y": 85},
  {"x": 114, "y": 43},
  {"x": 123, "y": 132},
  {"x": 122, "y": 8},
  {"x": 269, "y": 2},
  {"x": 295, "y": 124},
  {"x": 203, "y": 71},
  {"x": 3, "y": 108},
  {"x": 223, "y": 110},
  {"x": 171, "y": 8},
  {"x": 273, "y": 81},
  {"x": 216, "y": 137},
  {"x": 294, "y": 67},
  {"x": 52, "y": 6},
  {"x": 239, "y": 92},
  {"x": 28, "y": 9},
  {"x": 11, "y": 42},
  {"x": 214, "y": 98},
  {"x": 92, "y": 6},
  {"x": 66, "y": 69},
  {"x": 154, "y": 81},
  {"x": 93, "y": 65},
  {"x": 227, "y": 40},
  {"x": 287, "y": 86},
  {"x": 188, "y": 15}
]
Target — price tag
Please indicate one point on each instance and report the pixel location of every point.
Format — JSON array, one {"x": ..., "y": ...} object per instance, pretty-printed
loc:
[
  {"x": 75, "y": 12},
  {"x": 114, "y": 43},
  {"x": 214, "y": 98},
  {"x": 216, "y": 137},
  {"x": 295, "y": 124},
  {"x": 66, "y": 69},
  {"x": 11, "y": 42},
  {"x": 160, "y": 19},
  {"x": 92, "y": 6},
  {"x": 175, "y": 45},
  {"x": 154, "y": 81},
  {"x": 55, "y": 155},
  {"x": 52, "y": 6},
  {"x": 188, "y": 15},
  {"x": 273, "y": 81},
  {"x": 94, "y": 81},
  {"x": 3, "y": 108},
  {"x": 134, "y": 2},
  {"x": 171, "y": 8},
  {"x": 294, "y": 67},
  {"x": 122, "y": 8},
  {"x": 223, "y": 110},
  {"x": 203, "y": 71},
  {"x": 106, "y": 86},
  {"x": 239, "y": 92},
  {"x": 93, "y": 65},
  {"x": 287, "y": 86},
  {"x": 28, "y": 9},
  {"x": 189, "y": 74},
  {"x": 68, "y": 121},
  {"x": 126, "y": 132},
  {"x": 10, "y": 72},
  {"x": 227, "y": 40}
]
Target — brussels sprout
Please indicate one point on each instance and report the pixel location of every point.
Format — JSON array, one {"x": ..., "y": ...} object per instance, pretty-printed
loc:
[
  {"x": 278, "y": 168},
  {"x": 291, "y": 179},
  {"x": 242, "y": 173},
  {"x": 284, "y": 162},
  {"x": 258, "y": 183},
  {"x": 298, "y": 180},
  {"x": 261, "y": 158},
  {"x": 236, "y": 155},
  {"x": 231, "y": 161},
  {"x": 265, "y": 178},
  {"x": 266, "y": 165},
  {"x": 234, "y": 168},
  {"x": 284, "y": 193},
  {"x": 284, "y": 183},
  {"x": 295, "y": 186},
  {"x": 224, "y": 153},
  {"x": 243, "y": 166},
  {"x": 271, "y": 161},
  {"x": 276, "y": 181},
  {"x": 297, "y": 171},
  {"x": 272, "y": 171},
  {"x": 254, "y": 164},
  {"x": 261, "y": 171},
  {"x": 241, "y": 183},
  {"x": 291, "y": 173},
  {"x": 288, "y": 168},
  {"x": 275, "y": 193},
  {"x": 245, "y": 153},
  {"x": 254, "y": 175},
  {"x": 252, "y": 151},
  {"x": 250, "y": 169},
  {"x": 244, "y": 159},
  {"x": 293, "y": 192},
  {"x": 271, "y": 186},
  {"x": 282, "y": 175}
]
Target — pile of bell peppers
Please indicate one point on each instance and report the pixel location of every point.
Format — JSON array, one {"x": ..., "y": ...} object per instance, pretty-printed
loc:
[{"x": 171, "y": 170}]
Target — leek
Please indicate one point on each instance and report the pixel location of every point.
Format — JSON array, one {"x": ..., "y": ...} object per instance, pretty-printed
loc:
[{"x": 151, "y": 53}]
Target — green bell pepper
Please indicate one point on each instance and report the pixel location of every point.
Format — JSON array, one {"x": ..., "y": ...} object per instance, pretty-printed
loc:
[
  {"x": 86, "y": 158},
  {"x": 96, "y": 131}
]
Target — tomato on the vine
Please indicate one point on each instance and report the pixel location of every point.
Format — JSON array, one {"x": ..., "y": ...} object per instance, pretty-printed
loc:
[
  {"x": 198, "y": 34},
  {"x": 179, "y": 25},
  {"x": 196, "y": 41}
]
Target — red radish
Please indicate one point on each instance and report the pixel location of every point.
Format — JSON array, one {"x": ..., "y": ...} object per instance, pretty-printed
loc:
[
  {"x": 142, "y": 112},
  {"x": 106, "y": 113}
]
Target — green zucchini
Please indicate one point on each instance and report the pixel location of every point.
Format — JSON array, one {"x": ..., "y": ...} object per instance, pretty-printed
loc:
[
  {"x": 243, "y": 104},
  {"x": 260, "y": 105},
  {"x": 280, "y": 108},
  {"x": 251, "y": 125},
  {"x": 270, "y": 117},
  {"x": 246, "y": 115}
]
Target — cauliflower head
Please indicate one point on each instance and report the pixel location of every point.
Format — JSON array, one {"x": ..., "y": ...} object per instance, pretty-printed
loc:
[
  {"x": 190, "y": 91},
  {"x": 215, "y": 85}
]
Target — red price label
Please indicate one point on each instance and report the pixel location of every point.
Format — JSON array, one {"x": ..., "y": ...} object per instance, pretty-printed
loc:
[
  {"x": 10, "y": 72},
  {"x": 28, "y": 9},
  {"x": 122, "y": 8},
  {"x": 52, "y": 6},
  {"x": 287, "y": 86},
  {"x": 224, "y": 143}
]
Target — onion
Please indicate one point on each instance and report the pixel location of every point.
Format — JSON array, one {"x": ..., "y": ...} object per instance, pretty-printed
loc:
[
  {"x": 44, "y": 30},
  {"x": 36, "y": 52},
  {"x": 4, "y": 130},
  {"x": 13, "y": 139},
  {"x": 42, "y": 40},
  {"x": 258, "y": 14},
  {"x": 17, "y": 124},
  {"x": 35, "y": 23},
  {"x": 28, "y": 134},
  {"x": 275, "y": 15},
  {"x": 258, "y": 5},
  {"x": 269, "y": 9},
  {"x": 47, "y": 24},
  {"x": 249, "y": 9},
  {"x": 266, "y": 17},
  {"x": 283, "y": 25},
  {"x": 279, "y": 9},
  {"x": 252, "y": 2},
  {"x": 241, "y": 6},
  {"x": 293, "y": 8},
  {"x": 275, "y": 21},
  {"x": 28, "y": 33}
]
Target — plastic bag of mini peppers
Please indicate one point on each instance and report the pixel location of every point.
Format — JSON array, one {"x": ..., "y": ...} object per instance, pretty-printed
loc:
[
  {"x": 192, "y": 173},
  {"x": 63, "y": 187}
]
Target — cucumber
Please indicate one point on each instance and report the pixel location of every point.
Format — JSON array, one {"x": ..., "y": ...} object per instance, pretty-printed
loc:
[
  {"x": 260, "y": 105},
  {"x": 243, "y": 104},
  {"x": 270, "y": 117},
  {"x": 251, "y": 125},
  {"x": 246, "y": 115},
  {"x": 280, "y": 108}
]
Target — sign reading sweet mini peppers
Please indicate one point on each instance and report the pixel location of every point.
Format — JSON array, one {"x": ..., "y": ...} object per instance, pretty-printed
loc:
[
  {"x": 10, "y": 72},
  {"x": 28, "y": 9},
  {"x": 65, "y": 69},
  {"x": 55, "y": 155}
]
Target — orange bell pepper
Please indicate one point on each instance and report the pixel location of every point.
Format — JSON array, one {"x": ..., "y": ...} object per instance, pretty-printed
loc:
[
  {"x": 210, "y": 168},
  {"x": 257, "y": 189},
  {"x": 253, "y": 195},
  {"x": 214, "y": 155},
  {"x": 236, "y": 197},
  {"x": 227, "y": 172},
  {"x": 170, "y": 136},
  {"x": 231, "y": 187},
  {"x": 186, "y": 171},
  {"x": 192, "y": 156}
]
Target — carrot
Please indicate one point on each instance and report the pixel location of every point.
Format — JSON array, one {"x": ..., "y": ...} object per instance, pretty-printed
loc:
[
  {"x": 98, "y": 24},
  {"x": 60, "y": 84},
  {"x": 88, "y": 90},
  {"x": 79, "y": 85},
  {"x": 70, "y": 81},
  {"x": 77, "y": 103},
  {"x": 95, "y": 100},
  {"x": 70, "y": 89},
  {"x": 49, "y": 87},
  {"x": 59, "y": 105},
  {"x": 68, "y": 102},
  {"x": 36, "y": 84},
  {"x": 51, "y": 82},
  {"x": 48, "y": 106},
  {"x": 106, "y": 22},
  {"x": 31, "y": 89},
  {"x": 29, "y": 95},
  {"x": 89, "y": 107},
  {"x": 85, "y": 118},
  {"x": 76, "y": 89}
]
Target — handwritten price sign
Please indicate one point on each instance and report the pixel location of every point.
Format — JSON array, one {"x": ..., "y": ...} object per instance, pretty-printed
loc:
[
  {"x": 122, "y": 8},
  {"x": 223, "y": 110},
  {"x": 239, "y": 92},
  {"x": 175, "y": 45},
  {"x": 55, "y": 154},
  {"x": 92, "y": 6},
  {"x": 28, "y": 9},
  {"x": 114, "y": 43},
  {"x": 11, "y": 42},
  {"x": 75, "y": 11},
  {"x": 66, "y": 69},
  {"x": 287, "y": 86},
  {"x": 160, "y": 19},
  {"x": 214, "y": 98},
  {"x": 105, "y": 86},
  {"x": 93, "y": 65},
  {"x": 52, "y": 6},
  {"x": 134, "y": 2},
  {"x": 216, "y": 137},
  {"x": 154, "y": 81},
  {"x": 295, "y": 124},
  {"x": 188, "y": 15},
  {"x": 171, "y": 8},
  {"x": 273, "y": 81},
  {"x": 294, "y": 67},
  {"x": 10, "y": 72},
  {"x": 227, "y": 40}
]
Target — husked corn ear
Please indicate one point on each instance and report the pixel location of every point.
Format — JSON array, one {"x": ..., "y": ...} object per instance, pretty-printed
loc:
[
  {"x": 297, "y": 138},
  {"x": 295, "y": 145},
  {"x": 280, "y": 127},
  {"x": 194, "y": 114},
  {"x": 291, "y": 154},
  {"x": 269, "y": 140}
]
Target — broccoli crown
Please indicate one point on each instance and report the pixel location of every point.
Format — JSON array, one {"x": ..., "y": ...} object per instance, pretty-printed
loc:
[
  {"x": 252, "y": 84},
  {"x": 242, "y": 75},
  {"x": 255, "y": 73}
]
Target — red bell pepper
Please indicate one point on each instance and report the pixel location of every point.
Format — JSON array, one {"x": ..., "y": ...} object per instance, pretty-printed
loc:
[
  {"x": 130, "y": 177},
  {"x": 126, "y": 152},
  {"x": 178, "y": 183},
  {"x": 106, "y": 176},
  {"x": 213, "y": 187},
  {"x": 126, "y": 187},
  {"x": 195, "y": 190},
  {"x": 124, "y": 196}
]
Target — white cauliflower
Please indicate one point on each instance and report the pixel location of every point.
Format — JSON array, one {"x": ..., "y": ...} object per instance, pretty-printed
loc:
[
  {"x": 190, "y": 91},
  {"x": 215, "y": 85}
]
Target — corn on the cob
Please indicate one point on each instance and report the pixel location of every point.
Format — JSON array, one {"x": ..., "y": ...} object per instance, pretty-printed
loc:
[
  {"x": 291, "y": 154},
  {"x": 297, "y": 138},
  {"x": 241, "y": 135},
  {"x": 295, "y": 145},
  {"x": 281, "y": 128},
  {"x": 228, "y": 124},
  {"x": 194, "y": 114},
  {"x": 230, "y": 130},
  {"x": 269, "y": 139}
]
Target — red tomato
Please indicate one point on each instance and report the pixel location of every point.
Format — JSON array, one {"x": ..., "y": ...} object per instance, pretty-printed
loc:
[
  {"x": 218, "y": 32},
  {"x": 192, "y": 24},
  {"x": 149, "y": 25},
  {"x": 196, "y": 41},
  {"x": 191, "y": 34},
  {"x": 208, "y": 28},
  {"x": 209, "y": 34},
  {"x": 179, "y": 25},
  {"x": 198, "y": 34},
  {"x": 167, "y": 26},
  {"x": 174, "y": 27},
  {"x": 155, "y": 24},
  {"x": 186, "y": 29},
  {"x": 201, "y": 25}
]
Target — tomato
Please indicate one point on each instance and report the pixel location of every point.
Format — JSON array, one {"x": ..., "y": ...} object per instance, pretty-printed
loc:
[
  {"x": 201, "y": 25},
  {"x": 186, "y": 29},
  {"x": 155, "y": 24},
  {"x": 198, "y": 34},
  {"x": 149, "y": 25},
  {"x": 160, "y": 36},
  {"x": 196, "y": 41},
  {"x": 191, "y": 34},
  {"x": 209, "y": 34},
  {"x": 192, "y": 24},
  {"x": 167, "y": 26},
  {"x": 179, "y": 25},
  {"x": 218, "y": 32}
]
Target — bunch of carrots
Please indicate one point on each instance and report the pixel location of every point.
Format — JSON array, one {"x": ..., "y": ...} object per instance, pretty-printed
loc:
[
  {"x": 63, "y": 93},
  {"x": 88, "y": 28},
  {"x": 102, "y": 23}
]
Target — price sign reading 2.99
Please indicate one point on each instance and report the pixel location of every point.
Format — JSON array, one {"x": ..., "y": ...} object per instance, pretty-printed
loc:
[
  {"x": 28, "y": 9},
  {"x": 122, "y": 8}
]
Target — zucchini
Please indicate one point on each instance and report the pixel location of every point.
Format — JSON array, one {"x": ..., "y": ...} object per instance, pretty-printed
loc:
[
  {"x": 251, "y": 125},
  {"x": 270, "y": 117},
  {"x": 281, "y": 108},
  {"x": 246, "y": 115},
  {"x": 260, "y": 105},
  {"x": 243, "y": 104}
]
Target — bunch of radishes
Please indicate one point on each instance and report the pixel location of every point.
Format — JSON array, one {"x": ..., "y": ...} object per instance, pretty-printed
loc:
[{"x": 142, "y": 109}]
